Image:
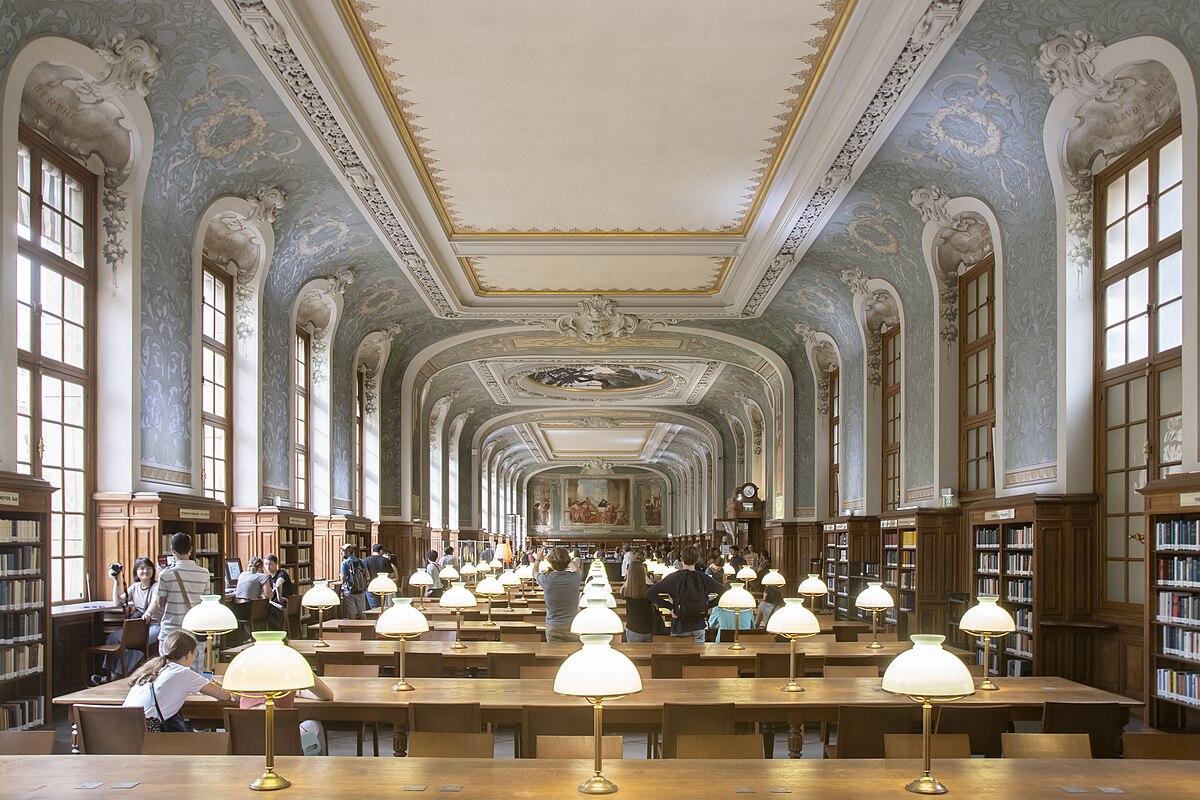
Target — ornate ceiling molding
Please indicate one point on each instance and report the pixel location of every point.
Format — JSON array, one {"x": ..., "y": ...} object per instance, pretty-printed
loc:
[
  {"x": 1068, "y": 62},
  {"x": 133, "y": 64},
  {"x": 596, "y": 320}
]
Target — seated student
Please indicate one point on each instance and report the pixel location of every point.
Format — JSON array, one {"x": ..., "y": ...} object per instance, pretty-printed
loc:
[
  {"x": 162, "y": 684},
  {"x": 253, "y": 583},
  {"x": 281, "y": 589},
  {"x": 772, "y": 601},
  {"x": 135, "y": 600},
  {"x": 721, "y": 619},
  {"x": 312, "y": 733}
]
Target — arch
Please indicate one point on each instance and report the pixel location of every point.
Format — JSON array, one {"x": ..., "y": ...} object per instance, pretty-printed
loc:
[
  {"x": 437, "y": 477},
  {"x": 371, "y": 359},
  {"x": 823, "y": 354}
]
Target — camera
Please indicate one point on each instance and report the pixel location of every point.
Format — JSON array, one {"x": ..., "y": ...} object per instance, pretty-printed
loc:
[{"x": 115, "y": 569}]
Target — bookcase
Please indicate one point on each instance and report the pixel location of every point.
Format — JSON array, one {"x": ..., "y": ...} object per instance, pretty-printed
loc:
[
  {"x": 852, "y": 550},
  {"x": 142, "y": 524},
  {"x": 1036, "y": 553},
  {"x": 329, "y": 534},
  {"x": 24, "y": 601},
  {"x": 1173, "y": 602},
  {"x": 922, "y": 551},
  {"x": 287, "y": 532}
]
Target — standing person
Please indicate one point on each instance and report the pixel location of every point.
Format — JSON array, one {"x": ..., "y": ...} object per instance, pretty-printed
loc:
[
  {"x": 626, "y": 560},
  {"x": 377, "y": 564},
  {"x": 488, "y": 553},
  {"x": 179, "y": 588},
  {"x": 162, "y": 684},
  {"x": 685, "y": 592},
  {"x": 639, "y": 612},
  {"x": 752, "y": 558},
  {"x": 134, "y": 600},
  {"x": 354, "y": 583},
  {"x": 561, "y": 589},
  {"x": 432, "y": 568},
  {"x": 281, "y": 587}
]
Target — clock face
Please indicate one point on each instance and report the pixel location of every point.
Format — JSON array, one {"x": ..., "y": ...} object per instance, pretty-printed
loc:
[{"x": 749, "y": 491}]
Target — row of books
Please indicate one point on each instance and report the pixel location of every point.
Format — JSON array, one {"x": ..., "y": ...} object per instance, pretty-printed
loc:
[
  {"x": 1023, "y": 617},
  {"x": 22, "y": 713},
  {"x": 1019, "y": 644},
  {"x": 1178, "y": 685},
  {"x": 1182, "y": 571},
  {"x": 20, "y": 626},
  {"x": 987, "y": 537},
  {"x": 21, "y": 593},
  {"x": 1019, "y": 590},
  {"x": 21, "y": 659},
  {"x": 1019, "y": 536},
  {"x": 987, "y": 586},
  {"x": 24, "y": 560},
  {"x": 19, "y": 530},
  {"x": 1019, "y": 563},
  {"x": 1178, "y": 534},
  {"x": 1018, "y": 668},
  {"x": 988, "y": 563},
  {"x": 1181, "y": 642},
  {"x": 900, "y": 539},
  {"x": 1179, "y": 607}
]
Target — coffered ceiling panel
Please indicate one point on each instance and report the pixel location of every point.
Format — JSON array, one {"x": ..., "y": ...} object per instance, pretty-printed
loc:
[
  {"x": 565, "y": 441},
  {"x": 587, "y": 274}
]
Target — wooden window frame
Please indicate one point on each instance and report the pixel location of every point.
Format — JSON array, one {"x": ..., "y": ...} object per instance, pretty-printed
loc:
[
  {"x": 987, "y": 341},
  {"x": 302, "y": 397},
  {"x": 833, "y": 385},
  {"x": 890, "y": 447},
  {"x": 226, "y": 350}
]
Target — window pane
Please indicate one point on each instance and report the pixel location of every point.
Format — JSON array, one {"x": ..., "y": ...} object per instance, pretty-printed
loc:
[
  {"x": 1114, "y": 244},
  {"x": 1139, "y": 184},
  {"x": 1115, "y": 208},
  {"x": 1115, "y": 536},
  {"x": 1170, "y": 277},
  {"x": 1137, "y": 399},
  {"x": 1114, "y": 302},
  {"x": 1115, "y": 449},
  {"x": 1139, "y": 292},
  {"x": 1170, "y": 212},
  {"x": 1170, "y": 436},
  {"x": 1170, "y": 326},
  {"x": 73, "y": 301},
  {"x": 1114, "y": 586},
  {"x": 1114, "y": 346},
  {"x": 73, "y": 345},
  {"x": 1138, "y": 231},
  {"x": 1137, "y": 445},
  {"x": 1170, "y": 391},
  {"x": 1139, "y": 338},
  {"x": 1137, "y": 582},
  {"x": 73, "y": 404},
  {"x": 1114, "y": 400},
  {"x": 1114, "y": 497},
  {"x": 1170, "y": 163}
]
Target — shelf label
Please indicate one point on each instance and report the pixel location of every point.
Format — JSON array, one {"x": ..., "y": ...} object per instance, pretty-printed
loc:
[
  {"x": 1185, "y": 499},
  {"x": 358, "y": 527},
  {"x": 10, "y": 499},
  {"x": 297, "y": 522},
  {"x": 193, "y": 513},
  {"x": 1001, "y": 513},
  {"x": 900, "y": 522}
]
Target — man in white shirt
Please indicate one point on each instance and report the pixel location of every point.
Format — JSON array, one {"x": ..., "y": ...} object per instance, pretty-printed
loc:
[
  {"x": 626, "y": 560},
  {"x": 179, "y": 588}
]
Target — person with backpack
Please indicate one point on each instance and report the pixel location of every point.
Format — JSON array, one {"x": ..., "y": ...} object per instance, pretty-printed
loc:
[
  {"x": 432, "y": 568},
  {"x": 355, "y": 578},
  {"x": 686, "y": 593}
]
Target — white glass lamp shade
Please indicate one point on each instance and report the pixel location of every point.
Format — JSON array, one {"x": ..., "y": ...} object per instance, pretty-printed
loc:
[
  {"x": 597, "y": 670},
  {"x": 320, "y": 596},
  {"x": 504, "y": 552},
  {"x": 267, "y": 667},
  {"x": 736, "y": 598},
  {"x": 496, "y": 563},
  {"x": 598, "y": 592},
  {"x": 402, "y": 619},
  {"x": 382, "y": 584},
  {"x": 543, "y": 566},
  {"x": 746, "y": 574},
  {"x": 209, "y": 616},
  {"x": 469, "y": 569},
  {"x": 773, "y": 578},
  {"x": 420, "y": 578},
  {"x": 597, "y": 617},
  {"x": 509, "y": 578},
  {"x": 596, "y": 568},
  {"x": 525, "y": 572},
  {"x": 457, "y": 596},
  {"x": 813, "y": 585},
  {"x": 490, "y": 586},
  {"x": 728, "y": 568},
  {"x": 793, "y": 619},
  {"x": 987, "y": 618},
  {"x": 874, "y": 598},
  {"x": 928, "y": 671},
  {"x": 449, "y": 573}
]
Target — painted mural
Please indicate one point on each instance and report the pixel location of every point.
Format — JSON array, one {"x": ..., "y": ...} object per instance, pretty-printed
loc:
[{"x": 597, "y": 502}]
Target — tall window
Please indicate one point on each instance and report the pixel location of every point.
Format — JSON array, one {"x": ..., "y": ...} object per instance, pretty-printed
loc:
[
  {"x": 360, "y": 403},
  {"x": 55, "y": 346},
  {"x": 976, "y": 349},
  {"x": 215, "y": 371},
  {"x": 300, "y": 405},
  {"x": 835, "y": 438},
  {"x": 891, "y": 418},
  {"x": 1139, "y": 334}
]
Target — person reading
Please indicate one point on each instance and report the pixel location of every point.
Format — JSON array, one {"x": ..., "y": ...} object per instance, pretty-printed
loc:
[{"x": 162, "y": 685}]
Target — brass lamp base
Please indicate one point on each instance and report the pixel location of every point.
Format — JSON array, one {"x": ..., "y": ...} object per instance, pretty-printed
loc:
[
  {"x": 458, "y": 645},
  {"x": 737, "y": 646},
  {"x": 321, "y": 643},
  {"x": 926, "y": 784},
  {"x": 269, "y": 781},
  {"x": 792, "y": 686},
  {"x": 987, "y": 685},
  {"x": 597, "y": 784},
  {"x": 874, "y": 646},
  {"x": 403, "y": 686}
]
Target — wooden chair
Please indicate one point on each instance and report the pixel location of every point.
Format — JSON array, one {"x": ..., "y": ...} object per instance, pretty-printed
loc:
[
  {"x": 292, "y": 616},
  {"x": 839, "y": 671},
  {"x": 220, "y": 667},
  {"x": 941, "y": 745},
  {"x": 326, "y": 659},
  {"x": 540, "y": 721},
  {"x": 135, "y": 635},
  {"x": 202, "y": 743},
  {"x": 1177, "y": 746},
  {"x": 860, "y": 730},
  {"x": 508, "y": 665},
  {"x": 718, "y": 746},
  {"x": 520, "y": 636},
  {"x": 1046, "y": 745},
  {"x": 1102, "y": 722},
  {"x": 352, "y": 671},
  {"x": 881, "y": 636},
  {"x": 259, "y": 617},
  {"x": 645, "y": 670},
  {"x": 849, "y": 633},
  {"x": 26, "y": 743},
  {"x": 755, "y": 638},
  {"x": 983, "y": 725},
  {"x": 437, "y": 744},
  {"x": 670, "y": 665},
  {"x": 820, "y": 637},
  {"x": 538, "y": 673},
  {"x": 695, "y": 719},
  {"x": 709, "y": 671},
  {"x": 421, "y": 665},
  {"x": 436, "y": 636},
  {"x": 445, "y": 717},
  {"x": 343, "y": 636},
  {"x": 579, "y": 747},
  {"x": 248, "y": 731},
  {"x": 776, "y": 665},
  {"x": 110, "y": 730}
]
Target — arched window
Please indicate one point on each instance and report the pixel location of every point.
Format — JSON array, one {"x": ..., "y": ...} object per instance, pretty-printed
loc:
[
  {"x": 833, "y": 381},
  {"x": 976, "y": 351},
  {"x": 300, "y": 404},
  {"x": 890, "y": 384},
  {"x": 216, "y": 363},
  {"x": 56, "y": 266},
  {"x": 1139, "y": 336}
]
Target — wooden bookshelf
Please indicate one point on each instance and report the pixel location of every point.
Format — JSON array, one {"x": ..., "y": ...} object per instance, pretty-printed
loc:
[
  {"x": 25, "y": 644},
  {"x": 142, "y": 524},
  {"x": 852, "y": 550},
  {"x": 287, "y": 532},
  {"x": 1036, "y": 553},
  {"x": 922, "y": 550},
  {"x": 329, "y": 534},
  {"x": 1173, "y": 602}
]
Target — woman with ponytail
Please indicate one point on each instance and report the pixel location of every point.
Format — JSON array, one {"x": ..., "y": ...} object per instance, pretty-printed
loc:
[{"x": 162, "y": 684}]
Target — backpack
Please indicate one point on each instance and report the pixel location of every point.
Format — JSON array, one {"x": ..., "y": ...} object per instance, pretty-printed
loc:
[
  {"x": 691, "y": 601},
  {"x": 356, "y": 576}
]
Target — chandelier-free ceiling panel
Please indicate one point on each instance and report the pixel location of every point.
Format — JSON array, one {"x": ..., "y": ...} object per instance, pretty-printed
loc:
[
  {"x": 588, "y": 274},
  {"x": 596, "y": 117}
]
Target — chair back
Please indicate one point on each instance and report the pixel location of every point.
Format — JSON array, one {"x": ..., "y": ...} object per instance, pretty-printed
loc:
[
  {"x": 1102, "y": 722},
  {"x": 343, "y": 636},
  {"x": 983, "y": 725},
  {"x": 520, "y": 636},
  {"x": 445, "y": 717},
  {"x": 201, "y": 743},
  {"x": 1046, "y": 745},
  {"x": 709, "y": 671},
  {"x": 712, "y": 746},
  {"x": 508, "y": 665},
  {"x": 440, "y": 744},
  {"x": 352, "y": 671},
  {"x": 670, "y": 665},
  {"x": 538, "y": 672},
  {"x": 694, "y": 718},
  {"x": 326, "y": 658},
  {"x": 135, "y": 635},
  {"x": 247, "y": 729},
  {"x": 941, "y": 745},
  {"x": 860, "y": 729},
  {"x": 421, "y": 665},
  {"x": 292, "y": 613},
  {"x": 259, "y": 609},
  {"x": 538, "y": 721},
  {"x": 1176, "y": 746},
  {"x": 436, "y": 636},
  {"x": 825, "y": 638},
  {"x": 110, "y": 730},
  {"x": 747, "y": 637},
  {"x": 26, "y": 743},
  {"x": 776, "y": 665},
  {"x": 881, "y": 636},
  {"x": 579, "y": 747},
  {"x": 839, "y": 671},
  {"x": 849, "y": 633},
  {"x": 976, "y": 670}
]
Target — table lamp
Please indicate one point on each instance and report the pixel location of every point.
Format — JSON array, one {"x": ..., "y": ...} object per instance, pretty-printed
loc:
[
  {"x": 320, "y": 597},
  {"x": 382, "y": 586},
  {"x": 524, "y": 573},
  {"x": 509, "y": 579},
  {"x": 773, "y": 578},
  {"x": 448, "y": 573},
  {"x": 269, "y": 669},
  {"x": 728, "y": 570},
  {"x": 600, "y": 590},
  {"x": 597, "y": 673},
  {"x": 813, "y": 587},
  {"x": 496, "y": 565},
  {"x": 793, "y": 621},
  {"x": 420, "y": 579},
  {"x": 597, "y": 617},
  {"x": 401, "y": 621},
  {"x": 737, "y": 600},
  {"x": 469, "y": 571},
  {"x": 874, "y": 598},
  {"x": 504, "y": 552},
  {"x": 456, "y": 598},
  {"x": 210, "y": 618},
  {"x": 490, "y": 587},
  {"x": 987, "y": 620},
  {"x": 927, "y": 674},
  {"x": 746, "y": 574}
]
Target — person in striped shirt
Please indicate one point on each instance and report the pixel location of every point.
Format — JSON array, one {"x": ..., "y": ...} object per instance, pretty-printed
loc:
[{"x": 179, "y": 588}]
